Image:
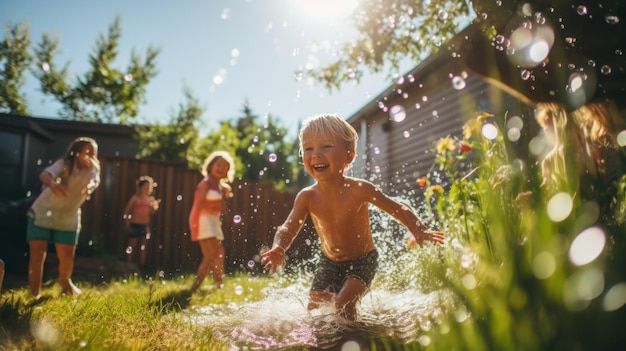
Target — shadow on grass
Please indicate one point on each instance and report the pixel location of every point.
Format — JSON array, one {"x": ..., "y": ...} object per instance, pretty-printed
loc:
[
  {"x": 15, "y": 319},
  {"x": 173, "y": 301}
]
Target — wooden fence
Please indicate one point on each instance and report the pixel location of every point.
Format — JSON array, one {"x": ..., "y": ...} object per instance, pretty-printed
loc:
[{"x": 249, "y": 223}]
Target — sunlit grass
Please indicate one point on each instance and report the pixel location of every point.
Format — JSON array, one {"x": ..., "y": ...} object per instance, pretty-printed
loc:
[{"x": 127, "y": 314}]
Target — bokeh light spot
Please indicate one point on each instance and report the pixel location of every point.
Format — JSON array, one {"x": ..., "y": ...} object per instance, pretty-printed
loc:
[
  {"x": 544, "y": 265},
  {"x": 560, "y": 206},
  {"x": 587, "y": 246},
  {"x": 489, "y": 131},
  {"x": 615, "y": 298},
  {"x": 621, "y": 138}
]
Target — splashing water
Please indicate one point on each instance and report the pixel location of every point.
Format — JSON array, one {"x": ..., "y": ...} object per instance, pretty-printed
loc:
[
  {"x": 282, "y": 320},
  {"x": 402, "y": 305}
]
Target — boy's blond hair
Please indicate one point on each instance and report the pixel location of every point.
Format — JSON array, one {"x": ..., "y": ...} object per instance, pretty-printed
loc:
[{"x": 330, "y": 125}]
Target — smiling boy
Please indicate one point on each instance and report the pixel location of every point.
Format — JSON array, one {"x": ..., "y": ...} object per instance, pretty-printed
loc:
[{"x": 339, "y": 208}]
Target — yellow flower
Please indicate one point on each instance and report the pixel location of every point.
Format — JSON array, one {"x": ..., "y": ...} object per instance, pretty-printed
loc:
[
  {"x": 467, "y": 131},
  {"x": 446, "y": 143},
  {"x": 483, "y": 115},
  {"x": 435, "y": 188}
]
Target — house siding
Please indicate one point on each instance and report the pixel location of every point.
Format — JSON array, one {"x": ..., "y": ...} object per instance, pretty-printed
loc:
[{"x": 396, "y": 154}]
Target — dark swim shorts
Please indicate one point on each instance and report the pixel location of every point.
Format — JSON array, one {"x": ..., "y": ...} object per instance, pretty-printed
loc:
[
  {"x": 331, "y": 275},
  {"x": 138, "y": 230}
]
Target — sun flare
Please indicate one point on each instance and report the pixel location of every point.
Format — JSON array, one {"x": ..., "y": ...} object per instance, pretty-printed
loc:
[{"x": 328, "y": 10}]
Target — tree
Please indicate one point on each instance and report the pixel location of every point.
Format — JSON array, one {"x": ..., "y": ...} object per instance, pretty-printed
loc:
[
  {"x": 104, "y": 93},
  {"x": 584, "y": 44},
  {"x": 390, "y": 31},
  {"x": 15, "y": 59},
  {"x": 175, "y": 140},
  {"x": 263, "y": 152}
]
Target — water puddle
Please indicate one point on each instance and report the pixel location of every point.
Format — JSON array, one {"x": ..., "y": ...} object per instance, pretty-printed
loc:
[
  {"x": 281, "y": 320},
  {"x": 405, "y": 302}
]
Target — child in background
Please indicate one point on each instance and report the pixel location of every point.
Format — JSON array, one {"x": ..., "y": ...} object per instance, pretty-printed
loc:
[
  {"x": 339, "y": 208},
  {"x": 55, "y": 214},
  {"x": 204, "y": 221},
  {"x": 137, "y": 214}
]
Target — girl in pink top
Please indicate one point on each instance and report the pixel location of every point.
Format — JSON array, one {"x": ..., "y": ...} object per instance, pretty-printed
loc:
[
  {"x": 137, "y": 214},
  {"x": 204, "y": 219}
]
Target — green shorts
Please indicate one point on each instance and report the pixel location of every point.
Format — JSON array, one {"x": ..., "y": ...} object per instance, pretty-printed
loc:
[{"x": 34, "y": 232}]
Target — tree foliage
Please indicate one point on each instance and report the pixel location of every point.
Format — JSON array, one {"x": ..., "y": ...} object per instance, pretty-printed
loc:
[
  {"x": 104, "y": 93},
  {"x": 14, "y": 61},
  {"x": 262, "y": 149},
  {"x": 175, "y": 140},
  {"x": 393, "y": 31},
  {"x": 389, "y": 32}
]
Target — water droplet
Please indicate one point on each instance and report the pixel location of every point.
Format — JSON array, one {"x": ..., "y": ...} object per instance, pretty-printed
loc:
[
  {"x": 237, "y": 219},
  {"x": 611, "y": 19},
  {"x": 129, "y": 250},
  {"x": 251, "y": 264},
  {"x": 458, "y": 83},
  {"x": 606, "y": 69},
  {"x": 442, "y": 15},
  {"x": 272, "y": 157},
  {"x": 397, "y": 113},
  {"x": 225, "y": 13},
  {"x": 238, "y": 290},
  {"x": 179, "y": 197},
  {"x": 582, "y": 10}
]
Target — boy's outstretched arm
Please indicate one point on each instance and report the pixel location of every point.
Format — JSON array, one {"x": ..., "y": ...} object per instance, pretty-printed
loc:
[
  {"x": 405, "y": 215},
  {"x": 285, "y": 234}
]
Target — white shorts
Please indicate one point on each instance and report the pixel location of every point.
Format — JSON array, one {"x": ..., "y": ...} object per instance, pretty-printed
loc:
[{"x": 210, "y": 226}]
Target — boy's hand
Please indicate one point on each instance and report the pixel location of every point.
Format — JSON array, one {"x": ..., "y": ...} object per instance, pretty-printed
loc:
[
  {"x": 273, "y": 259},
  {"x": 433, "y": 236}
]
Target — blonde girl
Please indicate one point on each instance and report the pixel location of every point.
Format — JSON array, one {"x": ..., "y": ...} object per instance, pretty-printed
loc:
[{"x": 204, "y": 220}]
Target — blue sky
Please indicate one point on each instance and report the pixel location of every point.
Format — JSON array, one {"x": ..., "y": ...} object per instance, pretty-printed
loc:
[{"x": 255, "y": 46}]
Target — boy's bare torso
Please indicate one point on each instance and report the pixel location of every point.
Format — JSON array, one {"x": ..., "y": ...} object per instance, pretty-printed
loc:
[{"x": 340, "y": 215}]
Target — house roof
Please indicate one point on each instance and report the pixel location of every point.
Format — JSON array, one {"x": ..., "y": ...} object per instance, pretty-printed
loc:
[
  {"x": 44, "y": 126},
  {"x": 24, "y": 123},
  {"x": 71, "y": 126}
]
